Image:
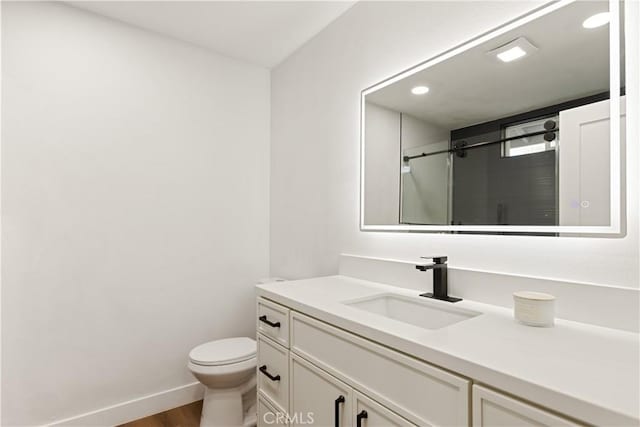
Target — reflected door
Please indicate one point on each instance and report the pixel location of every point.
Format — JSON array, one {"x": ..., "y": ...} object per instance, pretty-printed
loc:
[{"x": 584, "y": 164}]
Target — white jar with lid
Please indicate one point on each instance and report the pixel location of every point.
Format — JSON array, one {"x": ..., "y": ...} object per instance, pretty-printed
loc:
[{"x": 534, "y": 308}]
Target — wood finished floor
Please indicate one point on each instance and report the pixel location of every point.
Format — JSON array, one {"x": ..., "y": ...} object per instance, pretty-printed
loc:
[{"x": 183, "y": 416}]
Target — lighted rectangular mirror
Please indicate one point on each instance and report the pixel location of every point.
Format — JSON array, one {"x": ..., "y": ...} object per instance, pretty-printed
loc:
[{"x": 510, "y": 132}]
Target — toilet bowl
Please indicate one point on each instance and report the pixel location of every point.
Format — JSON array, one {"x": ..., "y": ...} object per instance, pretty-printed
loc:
[{"x": 227, "y": 369}]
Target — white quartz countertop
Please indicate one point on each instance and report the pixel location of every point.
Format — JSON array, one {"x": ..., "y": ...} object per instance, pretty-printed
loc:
[{"x": 586, "y": 372}]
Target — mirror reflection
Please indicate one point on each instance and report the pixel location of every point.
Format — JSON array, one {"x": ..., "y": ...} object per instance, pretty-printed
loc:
[{"x": 514, "y": 131}]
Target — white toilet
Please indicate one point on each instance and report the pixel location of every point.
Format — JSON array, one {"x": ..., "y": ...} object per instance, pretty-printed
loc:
[{"x": 227, "y": 369}]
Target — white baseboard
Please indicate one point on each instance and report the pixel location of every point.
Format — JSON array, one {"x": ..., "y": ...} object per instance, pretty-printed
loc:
[
  {"x": 602, "y": 305},
  {"x": 136, "y": 408}
]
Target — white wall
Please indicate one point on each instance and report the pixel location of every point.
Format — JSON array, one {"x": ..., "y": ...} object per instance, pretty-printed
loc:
[
  {"x": 315, "y": 111},
  {"x": 382, "y": 165},
  {"x": 135, "y": 185},
  {"x": 425, "y": 188},
  {"x": 417, "y": 132}
]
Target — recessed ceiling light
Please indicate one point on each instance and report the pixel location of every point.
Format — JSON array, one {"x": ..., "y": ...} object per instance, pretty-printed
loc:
[
  {"x": 511, "y": 54},
  {"x": 597, "y": 20},
  {"x": 419, "y": 90},
  {"x": 513, "y": 50}
]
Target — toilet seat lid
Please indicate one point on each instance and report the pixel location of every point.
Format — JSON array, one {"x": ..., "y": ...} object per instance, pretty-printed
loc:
[{"x": 223, "y": 352}]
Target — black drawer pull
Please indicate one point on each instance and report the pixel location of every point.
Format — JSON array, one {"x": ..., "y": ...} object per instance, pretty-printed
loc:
[
  {"x": 272, "y": 324},
  {"x": 336, "y": 409},
  {"x": 361, "y": 415},
  {"x": 263, "y": 369}
]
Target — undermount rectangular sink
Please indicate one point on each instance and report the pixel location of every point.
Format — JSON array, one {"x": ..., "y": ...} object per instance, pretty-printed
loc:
[{"x": 424, "y": 314}]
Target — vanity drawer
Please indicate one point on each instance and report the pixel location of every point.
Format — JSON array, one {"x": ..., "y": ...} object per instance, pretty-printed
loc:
[
  {"x": 491, "y": 409},
  {"x": 273, "y": 321},
  {"x": 376, "y": 414},
  {"x": 419, "y": 392},
  {"x": 268, "y": 415},
  {"x": 273, "y": 371}
]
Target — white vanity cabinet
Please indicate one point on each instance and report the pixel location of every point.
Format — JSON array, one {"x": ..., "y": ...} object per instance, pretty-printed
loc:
[
  {"x": 318, "y": 372},
  {"x": 325, "y": 376}
]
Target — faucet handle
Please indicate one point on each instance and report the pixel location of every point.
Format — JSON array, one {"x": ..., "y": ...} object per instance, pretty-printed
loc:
[{"x": 436, "y": 259}]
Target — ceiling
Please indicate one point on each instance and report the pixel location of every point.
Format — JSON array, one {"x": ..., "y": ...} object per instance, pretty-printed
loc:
[
  {"x": 263, "y": 33},
  {"x": 475, "y": 87}
]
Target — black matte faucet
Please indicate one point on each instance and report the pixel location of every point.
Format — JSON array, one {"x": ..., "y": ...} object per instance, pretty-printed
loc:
[{"x": 440, "y": 287}]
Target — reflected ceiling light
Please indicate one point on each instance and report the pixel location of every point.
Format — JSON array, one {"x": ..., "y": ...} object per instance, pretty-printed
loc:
[
  {"x": 419, "y": 90},
  {"x": 597, "y": 20},
  {"x": 511, "y": 54},
  {"x": 513, "y": 50}
]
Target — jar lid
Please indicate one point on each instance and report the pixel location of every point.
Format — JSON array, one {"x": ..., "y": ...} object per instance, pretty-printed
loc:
[{"x": 531, "y": 295}]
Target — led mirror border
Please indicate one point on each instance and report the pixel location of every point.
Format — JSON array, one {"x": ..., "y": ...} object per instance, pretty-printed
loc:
[{"x": 615, "y": 227}]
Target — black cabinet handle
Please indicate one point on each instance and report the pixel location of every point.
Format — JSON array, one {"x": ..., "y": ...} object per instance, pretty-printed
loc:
[
  {"x": 363, "y": 414},
  {"x": 272, "y": 324},
  {"x": 263, "y": 369},
  {"x": 336, "y": 409}
]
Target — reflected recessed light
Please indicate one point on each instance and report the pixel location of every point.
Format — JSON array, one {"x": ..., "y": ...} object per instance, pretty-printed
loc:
[
  {"x": 513, "y": 50},
  {"x": 511, "y": 54},
  {"x": 419, "y": 90},
  {"x": 597, "y": 20}
]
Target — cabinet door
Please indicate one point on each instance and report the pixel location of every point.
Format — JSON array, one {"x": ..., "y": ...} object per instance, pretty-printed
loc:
[
  {"x": 368, "y": 413},
  {"x": 492, "y": 409},
  {"x": 317, "y": 398}
]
